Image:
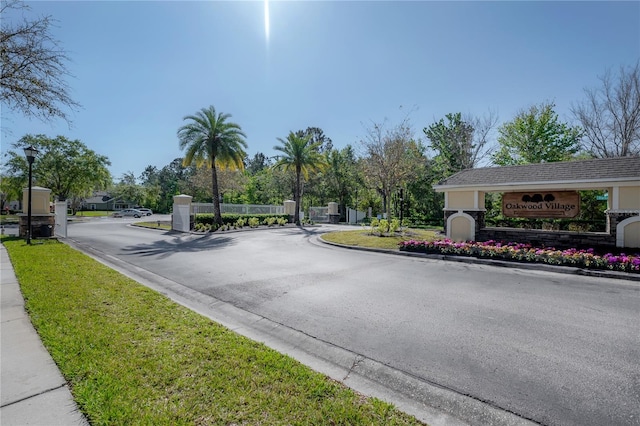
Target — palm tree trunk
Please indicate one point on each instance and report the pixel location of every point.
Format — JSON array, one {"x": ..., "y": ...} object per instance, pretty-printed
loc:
[
  {"x": 217, "y": 216},
  {"x": 296, "y": 215}
]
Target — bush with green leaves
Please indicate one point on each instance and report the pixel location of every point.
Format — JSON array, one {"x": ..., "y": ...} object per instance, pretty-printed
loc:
[
  {"x": 383, "y": 226},
  {"x": 270, "y": 221},
  {"x": 241, "y": 222},
  {"x": 394, "y": 225},
  {"x": 204, "y": 227},
  {"x": 374, "y": 225},
  {"x": 254, "y": 222},
  {"x": 232, "y": 218}
]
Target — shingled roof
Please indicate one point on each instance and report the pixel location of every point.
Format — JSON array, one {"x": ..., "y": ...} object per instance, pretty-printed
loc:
[{"x": 568, "y": 172}]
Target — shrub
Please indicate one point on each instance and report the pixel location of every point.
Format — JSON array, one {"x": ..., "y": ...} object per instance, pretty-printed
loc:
[
  {"x": 579, "y": 227},
  {"x": 254, "y": 222},
  {"x": 282, "y": 221},
  {"x": 203, "y": 227},
  {"x": 233, "y": 218},
  {"x": 270, "y": 221},
  {"x": 374, "y": 224},
  {"x": 383, "y": 226},
  {"x": 394, "y": 225}
]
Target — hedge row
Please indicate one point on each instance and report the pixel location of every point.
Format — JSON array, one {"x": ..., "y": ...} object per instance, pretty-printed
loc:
[{"x": 232, "y": 218}]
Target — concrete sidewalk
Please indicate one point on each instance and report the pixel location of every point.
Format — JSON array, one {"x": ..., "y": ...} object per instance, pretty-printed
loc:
[{"x": 32, "y": 390}]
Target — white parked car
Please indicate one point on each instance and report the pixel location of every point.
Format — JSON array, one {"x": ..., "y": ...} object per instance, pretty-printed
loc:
[
  {"x": 129, "y": 212},
  {"x": 147, "y": 212}
]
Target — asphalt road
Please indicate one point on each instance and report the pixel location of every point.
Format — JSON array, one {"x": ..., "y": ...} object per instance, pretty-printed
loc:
[{"x": 551, "y": 348}]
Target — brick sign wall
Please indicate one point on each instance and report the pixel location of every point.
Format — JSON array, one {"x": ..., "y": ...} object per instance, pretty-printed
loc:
[{"x": 541, "y": 204}]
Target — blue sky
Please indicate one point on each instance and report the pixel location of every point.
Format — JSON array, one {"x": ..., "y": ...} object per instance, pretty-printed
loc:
[{"x": 140, "y": 67}]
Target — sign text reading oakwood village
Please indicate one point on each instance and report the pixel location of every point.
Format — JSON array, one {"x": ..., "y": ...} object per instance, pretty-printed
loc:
[{"x": 556, "y": 204}]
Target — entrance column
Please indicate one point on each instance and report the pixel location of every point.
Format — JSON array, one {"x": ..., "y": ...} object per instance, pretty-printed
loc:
[{"x": 463, "y": 214}]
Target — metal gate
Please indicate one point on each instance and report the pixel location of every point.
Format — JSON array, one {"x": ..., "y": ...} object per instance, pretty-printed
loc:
[{"x": 319, "y": 214}]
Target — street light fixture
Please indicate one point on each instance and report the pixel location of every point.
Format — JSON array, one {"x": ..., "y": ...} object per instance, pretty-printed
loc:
[{"x": 31, "y": 153}]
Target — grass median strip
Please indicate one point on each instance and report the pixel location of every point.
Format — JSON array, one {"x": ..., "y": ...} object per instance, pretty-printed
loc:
[
  {"x": 366, "y": 238},
  {"x": 132, "y": 356}
]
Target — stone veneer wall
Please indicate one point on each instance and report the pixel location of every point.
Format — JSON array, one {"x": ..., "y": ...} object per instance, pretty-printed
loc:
[
  {"x": 560, "y": 239},
  {"x": 37, "y": 221},
  {"x": 539, "y": 237},
  {"x": 557, "y": 239}
]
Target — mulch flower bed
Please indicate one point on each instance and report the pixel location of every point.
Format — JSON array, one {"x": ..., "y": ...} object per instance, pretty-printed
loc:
[{"x": 583, "y": 258}]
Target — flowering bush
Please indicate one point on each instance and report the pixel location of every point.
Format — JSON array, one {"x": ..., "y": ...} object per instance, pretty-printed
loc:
[{"x": 527, "y": 253}]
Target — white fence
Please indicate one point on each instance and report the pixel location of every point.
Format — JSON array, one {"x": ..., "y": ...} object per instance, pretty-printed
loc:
[
  {"x": 197, "y": 208},
  {"x": 355, "y": 216}
]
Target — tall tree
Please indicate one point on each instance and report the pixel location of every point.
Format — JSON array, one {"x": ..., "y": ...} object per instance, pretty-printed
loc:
[
  {"x": 67, "y": 167},
  {"x": 459, "y": 143},
  {"x": 256, "y": 164},
  {"x": 610, "y": 115},
  {"x": 534, "y": 136},
  {"x": 33, "y": 72},
  {"x": 172, "y": 179},
  {"x": 149, "y": 179},
  {"x": 128, "y": 189},
  {"x": 10, "y": 189},
  {"x": 343, "y": 175},
  {"x": 392, "y": 158},
  {"x": 229, "y": 182},
  {"x": 317, "y": 136},
  {"x": 213, "y": 140},
  {"x": 300, "y": 156}
]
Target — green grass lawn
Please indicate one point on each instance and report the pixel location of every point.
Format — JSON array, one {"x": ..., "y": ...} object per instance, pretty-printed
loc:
[
  {"x": 364, "y": 238},
  {"x": 93, "y": 213},
  {"x": 165, "y": 225},
  {"x": 132, "y": 356}
]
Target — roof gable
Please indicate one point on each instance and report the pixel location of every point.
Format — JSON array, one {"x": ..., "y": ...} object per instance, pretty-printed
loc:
[{"x": 575, "y": 172}]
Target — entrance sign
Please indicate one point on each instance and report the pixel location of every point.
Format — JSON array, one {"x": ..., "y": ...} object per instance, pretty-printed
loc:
[{"x": 541, "y": 204}]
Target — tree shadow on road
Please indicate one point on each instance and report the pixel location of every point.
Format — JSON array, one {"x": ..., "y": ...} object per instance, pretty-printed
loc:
[
  {"x": 183, "y": 244},
  {"x": 309, "y": 231}
]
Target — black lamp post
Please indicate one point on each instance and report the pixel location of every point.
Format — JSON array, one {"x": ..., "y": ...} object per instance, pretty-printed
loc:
[{"x": 31, "y": 153}]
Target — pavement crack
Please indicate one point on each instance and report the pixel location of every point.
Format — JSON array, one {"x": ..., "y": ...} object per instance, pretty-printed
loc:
[
  {"x": 356, "y": 362},
  {"x": 7, "y": 404}
]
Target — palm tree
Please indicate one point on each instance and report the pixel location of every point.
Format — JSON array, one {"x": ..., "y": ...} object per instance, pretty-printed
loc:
[
  {"x": 301, "y": 156},
  {"x": 212, "y": 140}
]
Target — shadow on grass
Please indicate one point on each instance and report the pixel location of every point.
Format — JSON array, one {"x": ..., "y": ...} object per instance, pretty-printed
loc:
[
  {"x": 10, "y": 238},
  {"x": 182, "y": 244}
]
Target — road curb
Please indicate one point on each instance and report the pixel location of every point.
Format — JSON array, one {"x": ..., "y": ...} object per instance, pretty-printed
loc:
[
  {"x": 428, "y": 402},
  {"x": 498, "y": 263}
]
